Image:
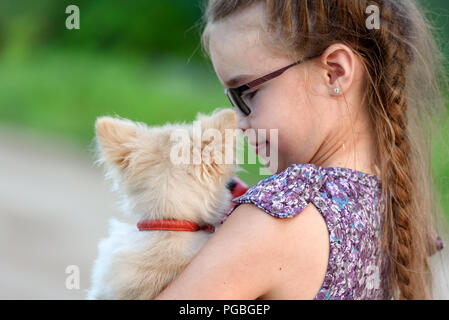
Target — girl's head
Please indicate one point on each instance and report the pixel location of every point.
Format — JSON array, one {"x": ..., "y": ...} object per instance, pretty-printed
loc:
[
  {"x": 388, "y": 94},
  {"x": 301, "y": 103}
]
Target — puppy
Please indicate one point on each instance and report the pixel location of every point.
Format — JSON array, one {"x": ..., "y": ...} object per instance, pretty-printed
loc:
[{"x": 134, "y": 264}]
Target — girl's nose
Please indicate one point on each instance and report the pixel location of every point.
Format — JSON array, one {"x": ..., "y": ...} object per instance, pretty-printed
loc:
[{"x": 242, "y": 121}]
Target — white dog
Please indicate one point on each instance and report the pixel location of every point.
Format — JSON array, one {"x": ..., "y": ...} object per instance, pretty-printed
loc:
[{"x": 135, "y": 264}]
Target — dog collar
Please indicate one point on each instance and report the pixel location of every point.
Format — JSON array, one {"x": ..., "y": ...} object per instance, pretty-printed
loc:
[{"x": 173, "y": 225}]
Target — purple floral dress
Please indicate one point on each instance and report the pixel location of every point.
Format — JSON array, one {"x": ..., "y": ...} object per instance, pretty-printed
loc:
[{"x": 350, "y": 203}]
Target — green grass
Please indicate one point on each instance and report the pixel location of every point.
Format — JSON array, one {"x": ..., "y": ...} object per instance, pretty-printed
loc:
[
  {"x": 62, "y": 92},
  {"x": 440, "y": 167},
  {"x": 65, "y": 91}
]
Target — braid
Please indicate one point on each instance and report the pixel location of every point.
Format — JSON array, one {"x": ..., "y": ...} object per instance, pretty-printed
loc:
[
  {"x": 402, "y": 64},
  {"x": 397, "y": 164}
]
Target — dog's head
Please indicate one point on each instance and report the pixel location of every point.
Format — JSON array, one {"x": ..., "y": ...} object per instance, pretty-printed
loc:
[{"x": 159, "y": 172}]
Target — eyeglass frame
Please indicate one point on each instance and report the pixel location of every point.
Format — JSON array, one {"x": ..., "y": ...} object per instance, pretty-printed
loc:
[{"x": 237, "y": 92}]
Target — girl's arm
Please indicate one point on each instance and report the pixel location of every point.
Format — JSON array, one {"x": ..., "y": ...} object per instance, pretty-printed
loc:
[{"x": 254, "y": 254}]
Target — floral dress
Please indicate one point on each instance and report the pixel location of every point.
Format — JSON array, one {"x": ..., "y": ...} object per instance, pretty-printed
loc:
[{"x": 349, "y": 202}]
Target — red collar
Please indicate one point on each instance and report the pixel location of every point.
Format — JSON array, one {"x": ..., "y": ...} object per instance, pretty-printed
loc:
[{"x": 173, "y": 225}]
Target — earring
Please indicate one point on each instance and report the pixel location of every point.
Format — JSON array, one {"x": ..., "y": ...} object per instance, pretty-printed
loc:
[{"x": 337, "y": 90}]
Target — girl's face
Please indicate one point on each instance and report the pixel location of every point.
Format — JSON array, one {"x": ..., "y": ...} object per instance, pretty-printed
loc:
[{"x": 285, "y": 103}]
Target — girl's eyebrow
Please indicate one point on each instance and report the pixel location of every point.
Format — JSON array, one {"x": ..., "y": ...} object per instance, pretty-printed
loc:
[{"x": 238, "y": 80}]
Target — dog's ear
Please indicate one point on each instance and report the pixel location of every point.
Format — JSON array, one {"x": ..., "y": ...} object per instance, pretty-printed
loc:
[
  {"x": 217, "y": 144},
  {"x": 115, "y": 138}
]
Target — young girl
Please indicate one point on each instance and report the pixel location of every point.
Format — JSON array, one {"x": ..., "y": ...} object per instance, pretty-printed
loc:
[{"x": 350, "y": 210}]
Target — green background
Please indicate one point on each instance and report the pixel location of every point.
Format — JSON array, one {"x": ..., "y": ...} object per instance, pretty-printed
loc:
[{"x": 140, "y": 59}]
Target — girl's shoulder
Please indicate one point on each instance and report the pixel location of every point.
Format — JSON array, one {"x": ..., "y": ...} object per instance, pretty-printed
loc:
[
  {"x": 343, "y": 223},
  {"x": 286, "y": 194}
]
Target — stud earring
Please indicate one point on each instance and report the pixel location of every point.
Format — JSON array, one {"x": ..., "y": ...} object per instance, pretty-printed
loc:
[{"x": 337, "y": 90}]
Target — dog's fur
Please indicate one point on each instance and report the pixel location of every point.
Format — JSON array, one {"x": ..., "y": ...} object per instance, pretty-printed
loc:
[{"x": 135, "y": 264}]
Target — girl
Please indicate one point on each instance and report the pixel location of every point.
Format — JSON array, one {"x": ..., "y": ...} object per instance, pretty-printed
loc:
[{"x": 350, "y": 209}]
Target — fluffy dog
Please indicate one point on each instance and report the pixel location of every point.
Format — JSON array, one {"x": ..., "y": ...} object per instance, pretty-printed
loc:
[{"x": 135, "y": 264}]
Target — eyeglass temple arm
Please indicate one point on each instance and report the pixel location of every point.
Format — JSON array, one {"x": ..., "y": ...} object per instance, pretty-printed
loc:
[{"x": 270, "y": 76}]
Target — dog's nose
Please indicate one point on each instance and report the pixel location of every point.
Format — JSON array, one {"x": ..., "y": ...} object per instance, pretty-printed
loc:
[{"x": 231, "y": 185}]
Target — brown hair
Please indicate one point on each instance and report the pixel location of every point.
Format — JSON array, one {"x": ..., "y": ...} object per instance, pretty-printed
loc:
[{"x": 405, "y": 76}]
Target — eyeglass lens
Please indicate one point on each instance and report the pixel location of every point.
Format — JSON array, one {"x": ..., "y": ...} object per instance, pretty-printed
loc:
[{"x": 238, "y": 102}]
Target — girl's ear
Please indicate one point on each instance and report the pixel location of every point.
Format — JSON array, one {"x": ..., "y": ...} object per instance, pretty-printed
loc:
[
  {"x": 339, "y": 62},
  {"x": 114, "y": 138}
]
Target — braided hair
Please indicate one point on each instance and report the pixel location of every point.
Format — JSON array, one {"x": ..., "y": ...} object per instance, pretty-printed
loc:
[{"x": 404, "y": 82}]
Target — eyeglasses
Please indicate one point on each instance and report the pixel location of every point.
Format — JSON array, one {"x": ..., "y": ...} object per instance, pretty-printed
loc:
[{"x": 237, "y": 96}]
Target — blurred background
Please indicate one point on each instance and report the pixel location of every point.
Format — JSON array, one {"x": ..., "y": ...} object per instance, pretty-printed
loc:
[{"x": 139, "y": 59}]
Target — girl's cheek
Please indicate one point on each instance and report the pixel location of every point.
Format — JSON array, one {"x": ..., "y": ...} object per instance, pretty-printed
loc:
[
  {"x": 242, "y": 120},
  {"x": 266, "y": 115}
]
